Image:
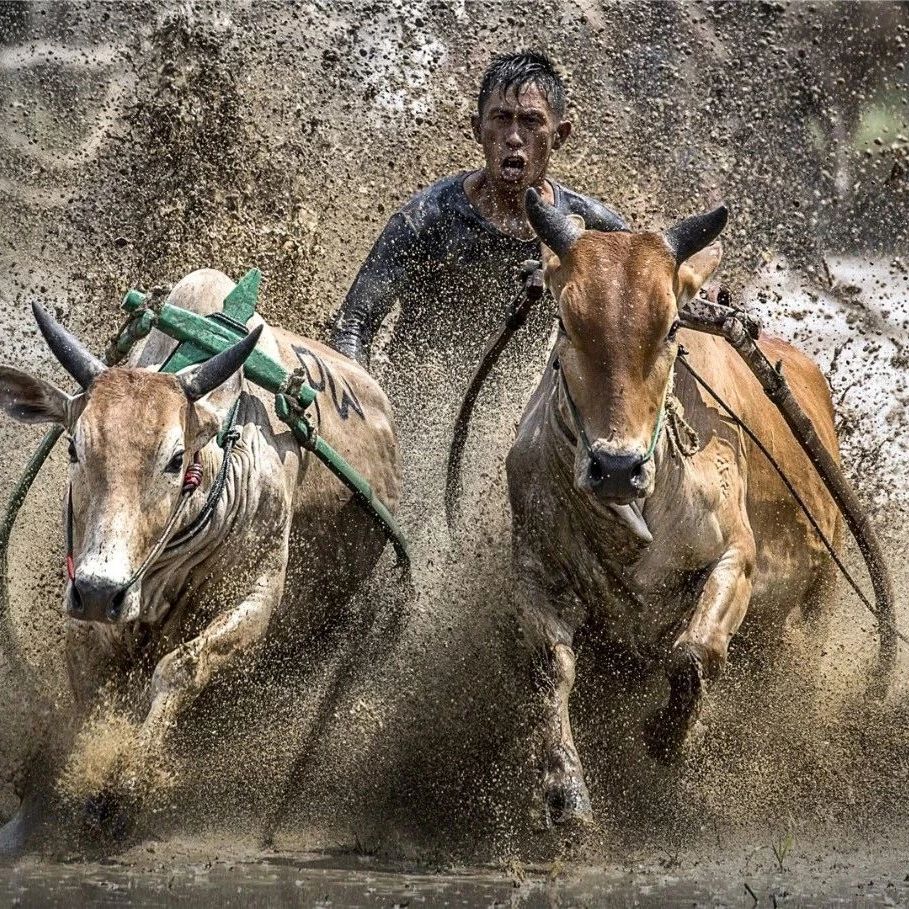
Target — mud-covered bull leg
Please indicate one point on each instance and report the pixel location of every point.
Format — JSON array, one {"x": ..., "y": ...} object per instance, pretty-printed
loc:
[
  {"x": 564, "y": 789},
  {"x": 182, "y": 675},
  {"x": 177, "y": 680},
  {"x": 551, "y": 633},
  {"x": 91, "y": 662},
  {"x": 700, "y": 651}
]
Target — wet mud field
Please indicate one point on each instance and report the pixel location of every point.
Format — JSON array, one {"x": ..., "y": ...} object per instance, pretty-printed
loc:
[{"x": 142, "y": 141}]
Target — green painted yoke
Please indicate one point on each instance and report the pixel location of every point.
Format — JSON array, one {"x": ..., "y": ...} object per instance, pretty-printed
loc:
[{"x": 202, "y": 337}]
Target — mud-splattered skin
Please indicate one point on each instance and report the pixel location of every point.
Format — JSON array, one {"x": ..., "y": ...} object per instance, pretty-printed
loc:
[
  {"x": 518, "y": 130},
  {"x": 450, "y": 255},
  {"x": 726, "y": 536},
  {"x": 283, "y": 552}
]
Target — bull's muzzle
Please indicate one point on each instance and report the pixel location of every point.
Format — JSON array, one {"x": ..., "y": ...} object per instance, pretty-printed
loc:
[
  {"x": 96, "y": 599},
  {"x": 620, "y": 478}
]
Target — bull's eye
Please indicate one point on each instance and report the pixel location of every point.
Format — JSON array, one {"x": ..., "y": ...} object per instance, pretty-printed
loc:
[
  {"x": 673, "y": 331},
  {"x": 73, "y": 454},
  {"x": 175, "y": 464}
]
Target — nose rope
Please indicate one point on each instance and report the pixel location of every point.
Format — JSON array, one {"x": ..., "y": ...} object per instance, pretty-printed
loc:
[
  {"x": 192, "y": 479},
  {"x": 579, "y": 425}
]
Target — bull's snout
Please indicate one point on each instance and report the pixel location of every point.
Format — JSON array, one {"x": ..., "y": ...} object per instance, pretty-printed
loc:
[
  {"x": 617, "y": 477},
  {"x": 96, "y": 599}
]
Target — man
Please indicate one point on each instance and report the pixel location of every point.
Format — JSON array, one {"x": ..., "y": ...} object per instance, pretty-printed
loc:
[{"x": 449, "y": 256}]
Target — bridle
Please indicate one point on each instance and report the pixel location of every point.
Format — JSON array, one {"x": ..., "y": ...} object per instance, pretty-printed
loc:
[{"x": 192, "y": 480}]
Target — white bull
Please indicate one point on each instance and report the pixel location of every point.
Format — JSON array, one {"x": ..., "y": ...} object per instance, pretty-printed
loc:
[{"x": 133, "y": 432}]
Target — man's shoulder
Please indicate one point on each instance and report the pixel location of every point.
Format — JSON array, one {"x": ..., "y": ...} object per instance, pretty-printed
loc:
[
  {"x": 430, "y": 205},
  {"x": 596, "y": 215}
]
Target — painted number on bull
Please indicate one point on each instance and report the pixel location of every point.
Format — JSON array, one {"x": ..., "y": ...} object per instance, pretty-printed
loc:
[{"x": 320, "y": 378}]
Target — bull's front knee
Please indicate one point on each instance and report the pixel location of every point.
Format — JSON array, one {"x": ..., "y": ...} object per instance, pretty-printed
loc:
[{"x": 177, "y": 673}]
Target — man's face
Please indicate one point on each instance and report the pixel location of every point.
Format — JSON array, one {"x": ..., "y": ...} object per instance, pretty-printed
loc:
[{"x": 518, "y": 130}]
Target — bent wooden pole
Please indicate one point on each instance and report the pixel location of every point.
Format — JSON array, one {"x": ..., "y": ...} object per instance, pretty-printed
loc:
[{"x": 727, "y": 322}]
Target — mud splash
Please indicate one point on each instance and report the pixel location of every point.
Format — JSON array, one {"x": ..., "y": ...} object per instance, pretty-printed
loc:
[{"x": 145, "y": 143}]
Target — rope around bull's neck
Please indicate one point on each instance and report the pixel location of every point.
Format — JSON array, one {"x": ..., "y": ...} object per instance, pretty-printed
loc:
[{"x": 579, "y": 425}]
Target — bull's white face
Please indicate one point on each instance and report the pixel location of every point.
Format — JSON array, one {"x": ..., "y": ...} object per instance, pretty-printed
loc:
[
  {"x": 132, "y": 433},
  {"x": 129, "y": 449}
]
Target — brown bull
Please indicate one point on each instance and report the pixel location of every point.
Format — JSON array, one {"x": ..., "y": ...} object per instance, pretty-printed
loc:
[
  {"x": 286, "y": 543},
  {"x": 664, "y": 539}
]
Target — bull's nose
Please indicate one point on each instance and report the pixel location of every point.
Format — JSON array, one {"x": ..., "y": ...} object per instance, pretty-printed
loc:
[
  {"x": 616, "y": 475},
  {"x": 96, "y": 599}
]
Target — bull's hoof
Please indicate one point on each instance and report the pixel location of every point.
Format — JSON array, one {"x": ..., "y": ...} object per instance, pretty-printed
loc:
[
  {"x": 567, "y": 801},
  {"x": 665, "y": 732},
  {"x": 14, "y": 836},
  {"x": 108, "y": 817},
  {"x": 565, "y": 795}
]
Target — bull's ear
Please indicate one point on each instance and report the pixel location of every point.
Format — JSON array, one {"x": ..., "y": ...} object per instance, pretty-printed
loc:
[
  {"x": 692, "y": 274},
  {"x": 31, "y": 400}
]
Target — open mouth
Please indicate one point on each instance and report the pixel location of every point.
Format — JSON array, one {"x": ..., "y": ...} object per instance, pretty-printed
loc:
[{"x": 513, "y": 168}]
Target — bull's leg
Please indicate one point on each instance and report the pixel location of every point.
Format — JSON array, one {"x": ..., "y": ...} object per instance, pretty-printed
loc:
[
  {"x": 177, "y": 680},
  {"x": 700, "y": 651},
  {"x": 90, "y": 663},
  {"x": 564, "y": 789},
  {"x": 565, "y": 796},
  {"x": 182, "y": 675}
]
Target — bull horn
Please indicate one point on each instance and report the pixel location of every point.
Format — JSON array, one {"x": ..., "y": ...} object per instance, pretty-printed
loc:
[
  {"x": 552, "y": 226},
  {"x": 199, "y": 380},
  {"x": 693, "y": 234},
  {"x": 72, "y": 355}
]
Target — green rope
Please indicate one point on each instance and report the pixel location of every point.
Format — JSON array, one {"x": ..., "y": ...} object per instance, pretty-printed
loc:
[{"x": 661, "y": 419}]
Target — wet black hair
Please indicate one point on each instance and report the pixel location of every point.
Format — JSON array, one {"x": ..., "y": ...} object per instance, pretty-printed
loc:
[{"x": 526, "y": 67}]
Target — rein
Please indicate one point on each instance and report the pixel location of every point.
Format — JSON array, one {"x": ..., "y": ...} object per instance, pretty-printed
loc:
[{"x": 192, "y": 479}]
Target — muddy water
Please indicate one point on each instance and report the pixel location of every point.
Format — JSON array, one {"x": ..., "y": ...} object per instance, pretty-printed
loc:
[
  {"x": 168, "y": 876},
  {"x": 144, "y": 141}
]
